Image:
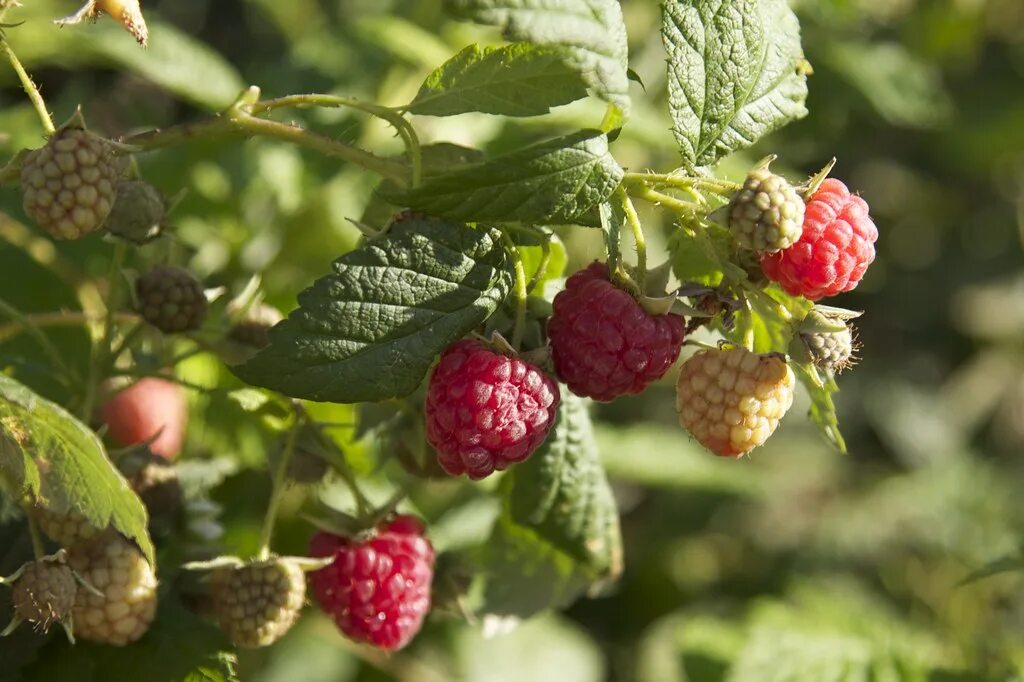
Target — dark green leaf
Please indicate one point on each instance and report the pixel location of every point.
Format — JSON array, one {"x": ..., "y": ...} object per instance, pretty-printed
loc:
[
  {"x": 371, "y": 329},
  {"x": 591, "y": 34},
  {"x": 558, "y": 533},
  {"x": 736, "y": 73},
  {"x": 48, "y": 455},
  {"x": 521, "y": 79},
  {"x": 558, "y": 181}
]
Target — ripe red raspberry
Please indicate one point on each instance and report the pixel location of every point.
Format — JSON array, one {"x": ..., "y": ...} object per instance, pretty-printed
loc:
[
  {"x": 603, "y": 343},
  {"x": 144, "y": 409},
  {"x": 69, "y": 185},
  {"x": 377, "y": 590},
  {"x": 834, "y": 250},
  {"x": 486, "y": 411}
]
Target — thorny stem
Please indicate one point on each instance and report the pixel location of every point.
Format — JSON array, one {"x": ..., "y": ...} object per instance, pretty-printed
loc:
[
  {"x": 277, "y": 492},
  {"x": 391, "y": 116},
  {"x": 670, "y": 202},
  {"x": 30, "y": 88},
  {"x": 239, "y": 119},
  {"x": 38, "y": 549},
  {"x": 716, "y": 185},
  {"x": 101, "y": 349},
  {"x": 638, "y": 235},
  {"x": 520, "y": 291}
]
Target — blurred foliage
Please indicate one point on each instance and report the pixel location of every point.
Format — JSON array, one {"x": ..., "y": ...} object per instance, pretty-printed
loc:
[{"x": 796, "y": 564}]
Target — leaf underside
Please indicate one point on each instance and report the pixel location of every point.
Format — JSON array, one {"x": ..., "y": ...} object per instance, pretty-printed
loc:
[
  {"x": 60, "y": 464},
  {"x": 736, "y": 73}
]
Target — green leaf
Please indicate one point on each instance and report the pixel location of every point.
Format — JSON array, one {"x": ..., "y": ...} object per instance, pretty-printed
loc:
[
  {"x": 823, "y": 409},
  {"x": 736, "y": 73},
  {"x": 558, "y": 181},
  {"x": 371, "y": 329},
  {"x": 590, "y": 33},
  {"x": 698, "y": 253},
  {"x": 558, "y": 533},
  {"x": 521, "y": 79},
  {"x": 172, "y": 60},
  {"x": 59, "y": 462}
]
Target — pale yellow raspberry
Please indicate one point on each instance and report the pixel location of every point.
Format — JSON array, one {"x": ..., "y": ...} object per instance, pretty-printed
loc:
[
  {"x": 731, "y": 400},
  {"x": 127, "y": 583},
  {"x": 258, "y": 602}
]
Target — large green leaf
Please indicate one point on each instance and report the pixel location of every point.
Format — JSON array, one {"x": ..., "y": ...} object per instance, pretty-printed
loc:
[
  {"x": 370, "y": 330},
  {"x": 558, "y": 533},
  {"x": 558, "y": 181},
  {"x": 521, "y": 79},
  {"x": 58, "y": 462},
  {"x": 590, "y": 33},
  {"x": 736, "y": 73},
  {"x": 172, "y": 60}
]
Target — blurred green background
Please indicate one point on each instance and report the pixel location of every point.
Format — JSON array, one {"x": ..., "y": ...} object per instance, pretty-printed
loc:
[{"x": 794, "y": 564}]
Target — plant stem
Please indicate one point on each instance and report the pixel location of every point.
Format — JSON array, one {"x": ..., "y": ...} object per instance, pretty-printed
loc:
[
  {"x": 321, "y": 143},
  {"x": 520, "y": 290},
  {"x": 638, "y": 235},
  {"x": 545, "y": 258},
  {"x": 277, "y": 492},
  {"x": 238, "y": 121},
  {"x": 677, "y": 205},
  {"x": 38, "y": 548},
  {"x": 716, "y": 185},
  {"x": 98, "y": 367},
  {"x": 30, "y": 89},
  {"x": 391, "y": 116}
]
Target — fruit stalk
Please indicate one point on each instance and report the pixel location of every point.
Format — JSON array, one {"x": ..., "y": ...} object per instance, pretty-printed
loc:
[
  {"x": 638, "y": 235},
  {"x": 276, "y": 493}
]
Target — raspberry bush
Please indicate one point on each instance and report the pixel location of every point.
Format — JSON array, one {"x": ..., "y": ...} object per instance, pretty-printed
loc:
[{"x": 360, "y": 343}]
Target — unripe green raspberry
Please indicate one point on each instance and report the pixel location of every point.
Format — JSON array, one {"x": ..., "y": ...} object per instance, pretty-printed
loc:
[
  {"x": 138, "y": 212},
  {"x": 44, "y": 593},
  {"x": 67, "y": 530},
  {"x": 831, "y": 350},
  {"x": 68, "y": 186},
  {"x": 126, "y": 605},
  {"x": 258, "y": 602},
  {"x": 253, "y": 329},
  {"x": 171, "y": 299},
  {"x": 767, "y": 214}
]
